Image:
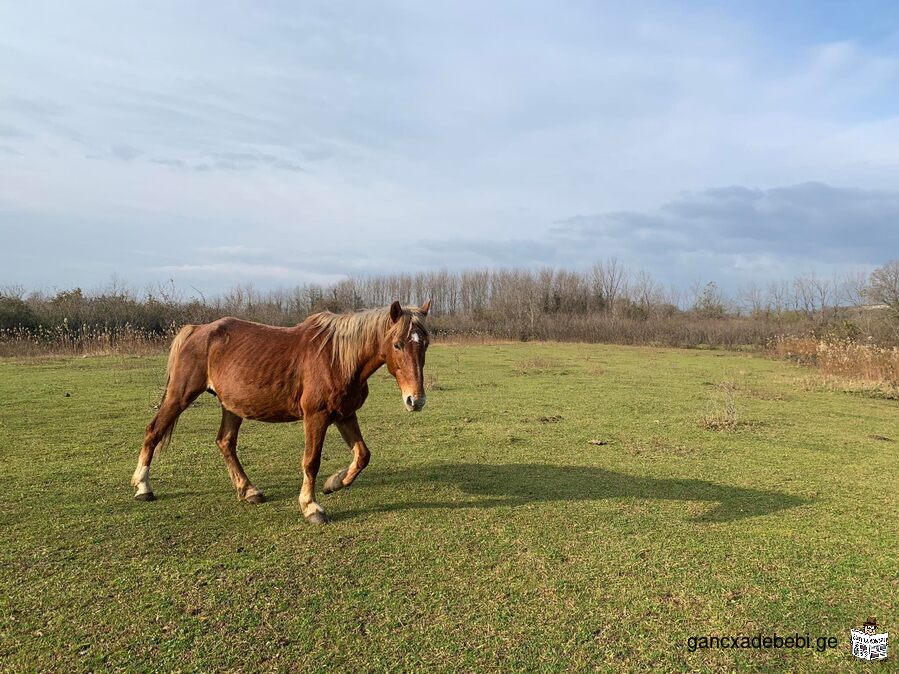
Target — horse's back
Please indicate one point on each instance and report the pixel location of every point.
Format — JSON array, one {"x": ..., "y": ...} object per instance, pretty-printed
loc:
[{"x": 253, "y": 368}]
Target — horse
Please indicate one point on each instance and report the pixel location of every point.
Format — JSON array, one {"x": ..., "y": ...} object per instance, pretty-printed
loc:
[{"x": 316, "y": 372}]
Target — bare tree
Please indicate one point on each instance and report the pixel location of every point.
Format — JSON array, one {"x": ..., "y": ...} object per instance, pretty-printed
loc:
[
  {"x": 608, "y": 279},
  {"x": 778, "y": 297},
  {"x": 13, "y": 291},
  {"x": 852, "y": 288},
  {"x": 804, "y": 294},
  {"x": 645, "y": 293},
  {"x": 823, "y": 291},
  {"x": 884, "y": 286},
  {"x": 752, "y": 299}
]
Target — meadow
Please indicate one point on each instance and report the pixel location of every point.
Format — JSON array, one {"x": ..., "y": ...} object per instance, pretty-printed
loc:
[{"x": 555, "y": 507}]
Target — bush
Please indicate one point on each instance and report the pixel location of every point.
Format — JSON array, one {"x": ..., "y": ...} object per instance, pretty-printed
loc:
[{"x": 16, "y": 314}]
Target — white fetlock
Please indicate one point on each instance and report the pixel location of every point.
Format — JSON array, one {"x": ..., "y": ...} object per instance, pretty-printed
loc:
[
  {"x": 311, "y": 508},
  {"x": 141, "y": 480}
]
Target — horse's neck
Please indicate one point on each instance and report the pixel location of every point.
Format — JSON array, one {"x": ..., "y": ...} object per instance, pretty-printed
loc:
[{"x": 370, "y": 361}]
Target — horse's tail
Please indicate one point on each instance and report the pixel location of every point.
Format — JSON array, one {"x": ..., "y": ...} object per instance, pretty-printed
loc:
[{"x": 174, "y": 352}]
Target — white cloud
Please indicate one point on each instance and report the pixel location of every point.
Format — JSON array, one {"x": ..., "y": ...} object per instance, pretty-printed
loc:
[{"x": 239, "y": 272}]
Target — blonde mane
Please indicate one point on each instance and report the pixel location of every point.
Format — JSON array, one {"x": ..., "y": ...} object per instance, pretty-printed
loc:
[{"x": 353, "y": 335}]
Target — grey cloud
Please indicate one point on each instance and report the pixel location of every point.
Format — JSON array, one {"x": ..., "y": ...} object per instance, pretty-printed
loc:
[
  {"x": 125, "y": 152},
  {"x": 473, "y": 252},
  {"x": 319, "y": 152},
  {"x": 239, "y": 161},
  {"x": 235, "y": 161},
  {"x": 11, "y": 132},
  {"x": 236, "y": 251},
  {"x": 120, "y": 151},
  {"x": 811, "y": 220},
  {"x": 38, "y": 115},
  {"x": 174, "y": 163},
  {"x": 283, "y": 165},
  {"x": 31, "y": 107}
]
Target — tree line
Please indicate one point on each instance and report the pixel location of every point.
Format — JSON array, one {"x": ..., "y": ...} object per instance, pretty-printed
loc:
[{"x": 606, "y": 302}]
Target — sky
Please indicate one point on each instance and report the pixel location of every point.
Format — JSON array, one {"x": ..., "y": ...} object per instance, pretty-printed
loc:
[{"x": 281, "y": 143}]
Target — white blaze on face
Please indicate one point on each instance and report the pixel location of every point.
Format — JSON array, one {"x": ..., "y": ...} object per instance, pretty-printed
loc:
[{"x": 410, "y": 400}]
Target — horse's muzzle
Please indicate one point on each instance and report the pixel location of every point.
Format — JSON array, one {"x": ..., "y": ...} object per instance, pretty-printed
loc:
[{"x": 414, "y": 403}]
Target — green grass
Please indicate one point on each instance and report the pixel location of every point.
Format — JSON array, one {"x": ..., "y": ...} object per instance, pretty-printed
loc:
[{"x": 488, "y": 533}]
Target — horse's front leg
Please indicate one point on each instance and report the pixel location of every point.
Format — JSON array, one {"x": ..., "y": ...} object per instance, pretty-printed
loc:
[
  {"x": 349, "y": 429},
  {"x": 315, "y": 426}
]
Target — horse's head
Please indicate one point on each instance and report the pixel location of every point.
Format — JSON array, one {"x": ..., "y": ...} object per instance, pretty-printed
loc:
[{"x": 404, "y": 350}]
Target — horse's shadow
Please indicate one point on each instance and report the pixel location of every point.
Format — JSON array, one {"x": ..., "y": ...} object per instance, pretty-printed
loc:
[{"x": 519, "y": 484}]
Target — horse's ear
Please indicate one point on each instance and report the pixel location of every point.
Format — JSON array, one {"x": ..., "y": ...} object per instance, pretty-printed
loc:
[
  {"x": 396, "y": 310},
  {"x": 426, "y": 307}
]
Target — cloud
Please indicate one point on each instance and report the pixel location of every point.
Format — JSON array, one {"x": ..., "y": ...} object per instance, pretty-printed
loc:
[
  {"x": 124, "y": 152},
  {"x": 233, "y": 269},
  {"x": 32, "y": 107},
  {"x": 241, "y": 161},
  {"x": 235, "y": 273},
  {"x": 457, "y": 253},
  {"x": 236, "y": 250},
  {"x": 810, "y": 220},
  {"x": 7, "y": 131},
  {"x": 405, "y": 135},
  {"x": 172, "y": 163}
]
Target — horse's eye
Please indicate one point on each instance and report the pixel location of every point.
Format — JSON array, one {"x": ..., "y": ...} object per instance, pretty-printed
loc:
[{"x": 398, "y": 346}]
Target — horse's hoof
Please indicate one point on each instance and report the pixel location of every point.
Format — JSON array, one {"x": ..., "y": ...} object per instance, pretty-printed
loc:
[
  {"x": 335, "y": 482},
  {"x": 257, "y": 497},
  {"x": 318, "y": 518},
  {"x": 146, "y": 496}
]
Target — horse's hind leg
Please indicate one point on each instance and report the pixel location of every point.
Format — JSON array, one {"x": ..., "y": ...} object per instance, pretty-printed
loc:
[
  {"x": 179, "y": 394},
  {"x": 227, "y": 443},
  {"x": 158, "y": 433}
]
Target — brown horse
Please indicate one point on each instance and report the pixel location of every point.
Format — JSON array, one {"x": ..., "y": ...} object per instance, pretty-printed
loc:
[{"x": 316, "y": 372}]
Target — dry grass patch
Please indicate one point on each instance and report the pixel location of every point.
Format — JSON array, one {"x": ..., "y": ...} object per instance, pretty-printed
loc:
[
  {"x": 86, "y": 340},
  {"x": 432, "y": 381},
  {"x": 722, "y": 414},
  {"x": 657, "y": 447},
  {"x": 537, "y": 364},
  {"x": 543, "y": 419},
  {"x": 834, "y": 384},
  {"x": 767, "y": 394},
  {"x": 862, "y": 366}
]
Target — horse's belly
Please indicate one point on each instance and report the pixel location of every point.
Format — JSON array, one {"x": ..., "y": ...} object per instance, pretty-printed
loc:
[
  {"x": 261, "y": 411},
  {"x": 260, "y": 403},
  {"x": 272, "y": 418}
]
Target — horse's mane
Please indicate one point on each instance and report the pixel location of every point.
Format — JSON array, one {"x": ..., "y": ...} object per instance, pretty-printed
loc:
[{"x": 350, "y": 335}]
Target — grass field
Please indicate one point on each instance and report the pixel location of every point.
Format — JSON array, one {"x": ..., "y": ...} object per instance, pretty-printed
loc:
[{"x": 488, "y": 533}]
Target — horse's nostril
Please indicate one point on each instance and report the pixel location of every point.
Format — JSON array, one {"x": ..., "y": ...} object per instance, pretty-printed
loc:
[{"x": 409, "y": 401}]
